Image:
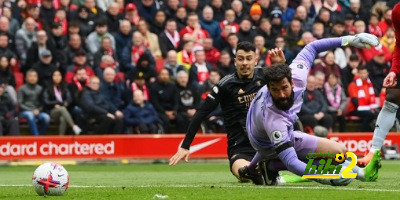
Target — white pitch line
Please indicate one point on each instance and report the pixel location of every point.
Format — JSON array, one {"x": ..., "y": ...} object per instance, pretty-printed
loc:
[{"x": 221, "y": 186}]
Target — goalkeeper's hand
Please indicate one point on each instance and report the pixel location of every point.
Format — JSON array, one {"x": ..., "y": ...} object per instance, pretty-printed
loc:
[{"x": 361, "y": 40}]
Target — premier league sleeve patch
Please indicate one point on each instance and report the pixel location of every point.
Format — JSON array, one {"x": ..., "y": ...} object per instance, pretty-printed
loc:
[{"x": 277, "y": 136}]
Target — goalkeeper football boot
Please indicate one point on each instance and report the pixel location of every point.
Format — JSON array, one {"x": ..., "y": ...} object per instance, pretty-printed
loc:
[
  {"x": 253, "y": 175},
  {"x": 371, "y": 170},
  {"x": 270, "y": 177}
]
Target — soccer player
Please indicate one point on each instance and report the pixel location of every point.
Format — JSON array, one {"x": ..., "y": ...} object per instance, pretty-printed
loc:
[
  {"x": 387, "y": 115},
  {"x": 234, "y": 92},
  {"x": 274, "y": 110}
]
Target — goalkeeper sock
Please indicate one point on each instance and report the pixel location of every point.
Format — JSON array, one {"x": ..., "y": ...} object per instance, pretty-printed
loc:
[
  {"x": 253, "y": 163},
  {"x": 276, "y": 165},
  {"x": 384, "y": 123}
]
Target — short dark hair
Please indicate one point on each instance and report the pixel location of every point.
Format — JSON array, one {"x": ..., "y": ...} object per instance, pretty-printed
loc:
[
  {"x": 31, "y": 71},
  {"x": 192, "y": 14},
  {"x": 100, "y": 22},
  {"x": 277, "y": 73},
  {"x": 170, "y": 20},
  {"x": 73, "y": 24},
  {"x": 214, "y": 70},
  {"x": 231, "y": 34},
  {"x": 79, "y": 69},
  {"x": 354, "y": 57},
  {"x": 361, "y": 67},
  {"x": 225, "y": 52},
  {"x": 246, "y": 46}
]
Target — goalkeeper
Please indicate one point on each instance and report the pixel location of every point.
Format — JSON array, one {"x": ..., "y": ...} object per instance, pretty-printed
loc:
[{"x": 274, "y": 110}]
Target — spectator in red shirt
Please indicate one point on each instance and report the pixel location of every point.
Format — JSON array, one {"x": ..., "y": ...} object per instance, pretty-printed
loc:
[
  {"x": 131, "y": 54},
  {"x": 362, "y": 96},
  {"x": 132, "y": 14},
  {"x": 105, "y": 49},
  {"x": 368, "y": 54},
  {"x": 387, "y": 21},
  {"x": 193, "y": 30},
  {"x": 349, "y": 24},
  {"x": 230, "y": 20},
  {"x": 212, "y": 54},
  {"x": 34, "y": 12},
  {"x": 373, "y": 26},
  {"x": 79, "y": 62},
  {"x": 61, "y": 18}
]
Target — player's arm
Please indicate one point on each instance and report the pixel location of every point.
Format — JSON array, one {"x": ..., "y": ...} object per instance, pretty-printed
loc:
[
  {"x": 301, "y": 65},
  {"x": 390, "y": 80},
  {"x": 209, "y": 105}
]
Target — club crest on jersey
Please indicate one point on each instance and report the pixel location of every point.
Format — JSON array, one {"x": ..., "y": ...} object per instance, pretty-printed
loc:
[
  {"x": 215, "y": 89},
  {"x": 277, "y": 135}
]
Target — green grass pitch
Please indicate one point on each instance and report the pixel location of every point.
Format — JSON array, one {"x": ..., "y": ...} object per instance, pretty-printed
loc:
[{"x": 188, "y": 181}]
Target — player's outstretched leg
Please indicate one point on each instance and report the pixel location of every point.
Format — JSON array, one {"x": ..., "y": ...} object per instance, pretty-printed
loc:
[
  {"x": 388, "y": 113},
  {"x": 384, "y": 123}
]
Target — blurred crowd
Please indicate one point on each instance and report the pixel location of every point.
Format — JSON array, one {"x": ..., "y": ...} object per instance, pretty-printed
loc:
[{"x": 143, "y": 66}]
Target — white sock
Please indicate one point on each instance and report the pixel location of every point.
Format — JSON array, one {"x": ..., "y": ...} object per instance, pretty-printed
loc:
[
  {"x": 360, "y": 174},
  {"x": 76, "y": 130},
  {"x": 384, "y": 123}
]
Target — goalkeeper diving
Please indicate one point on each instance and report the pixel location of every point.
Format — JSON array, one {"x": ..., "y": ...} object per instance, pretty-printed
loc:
[{"x": 273, "y": 112}]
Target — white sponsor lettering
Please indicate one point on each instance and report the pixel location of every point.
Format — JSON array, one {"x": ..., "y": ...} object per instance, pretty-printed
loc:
[
  {"x": 50, "y": 149},
  {"x": 16, "y": 149},
  {"x": 358, "y": 145}
]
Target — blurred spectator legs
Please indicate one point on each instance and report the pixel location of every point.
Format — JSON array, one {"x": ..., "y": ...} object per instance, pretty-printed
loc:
[
  {"x": 12, "y": 94},
  {"x": 107, "y": 125},
  {"x": 43, "y": 121},
  {"x": 64, "y": 117},
  {"x": 165, "y": 122},
  {"x": 310, "y": 120},
  {"x": 148, "y": 128},
  {"x": 10, "y": 125},
  {"x": 182, "y": 122},
  {"x": 79, "y": 118},
  {"x": 339, "y": 119},
  {"x": 366, "y": 117}
]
